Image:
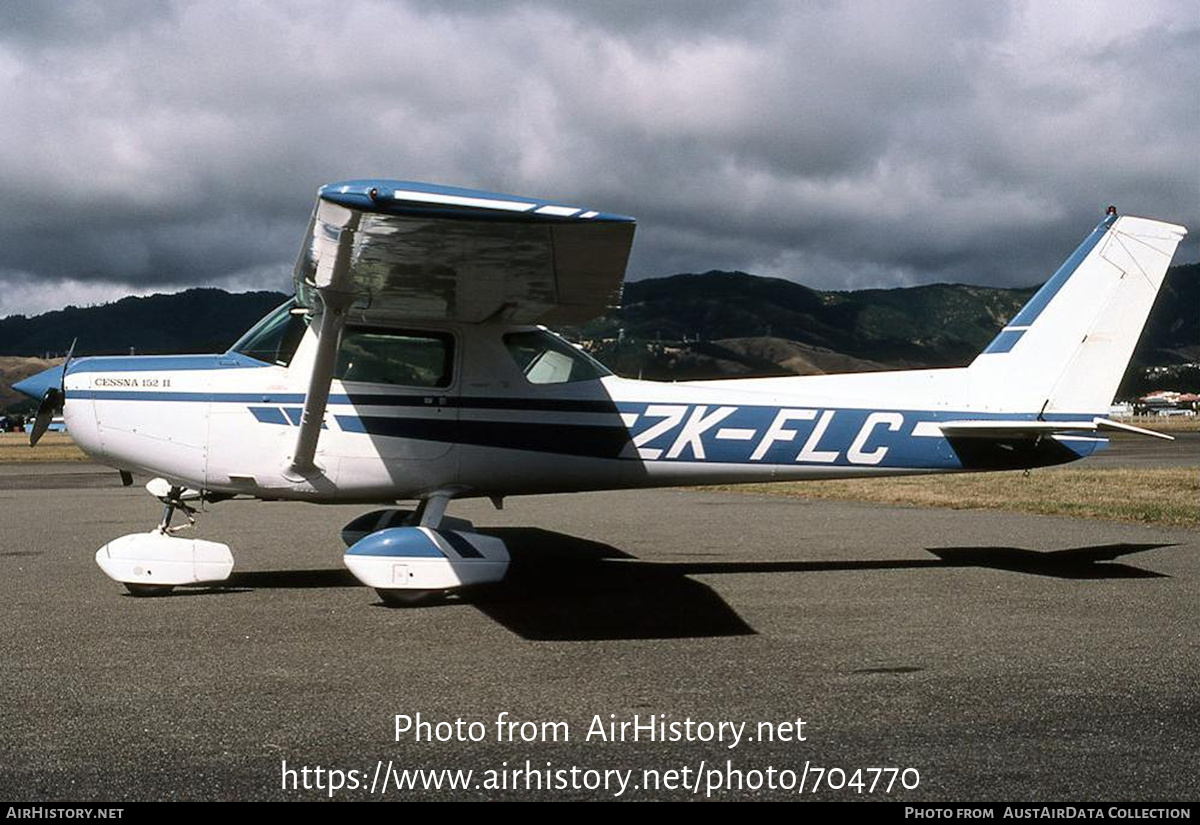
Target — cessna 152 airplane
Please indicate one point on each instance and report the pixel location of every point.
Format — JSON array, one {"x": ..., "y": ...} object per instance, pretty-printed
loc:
[{"x": 411, "y": 365}]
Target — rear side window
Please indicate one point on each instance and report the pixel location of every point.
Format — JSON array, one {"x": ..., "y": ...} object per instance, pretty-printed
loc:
[
  {"x": 401, "y": 357},
  {"x": 544, "y": 358}
]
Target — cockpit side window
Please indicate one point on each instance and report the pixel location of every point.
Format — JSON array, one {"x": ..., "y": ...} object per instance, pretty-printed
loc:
[
  {"x": 274, "y": 339},
  {"x": 406, "y": 358},
  {"x": 544, "y": 358}
]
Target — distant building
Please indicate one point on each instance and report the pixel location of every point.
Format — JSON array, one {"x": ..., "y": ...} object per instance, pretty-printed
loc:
[
  {"x": 1123, "y": 409},
  {"x": 1168, "y": 402},
  {"x": 57, "y": 425}
]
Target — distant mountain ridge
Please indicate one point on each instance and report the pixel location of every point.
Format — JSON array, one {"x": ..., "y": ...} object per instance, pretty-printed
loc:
[
  {"x": 678, "y": 327},
  {"x": 196, "y": 320},
  {"x": 936, "y": 325},
  {"x": 939, "y": 325}
]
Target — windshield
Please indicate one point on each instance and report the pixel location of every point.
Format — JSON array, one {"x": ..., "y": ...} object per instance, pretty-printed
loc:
[{"x": 274, "y": 339}]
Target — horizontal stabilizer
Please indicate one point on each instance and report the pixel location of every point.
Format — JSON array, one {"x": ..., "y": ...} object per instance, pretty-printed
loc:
[
  {"x": 996, "y": 429},
  {"x": 1109, "y": 424}
]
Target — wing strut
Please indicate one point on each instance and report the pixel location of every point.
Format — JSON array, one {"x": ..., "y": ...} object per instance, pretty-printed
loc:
[{"x": 333, "y": 243}]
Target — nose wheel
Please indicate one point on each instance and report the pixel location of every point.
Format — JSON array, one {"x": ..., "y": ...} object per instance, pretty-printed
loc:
[
  {"x": 172, "y": 503},
  {"x": 148, "y": 591},
  {"x": 153, "y": 563}
]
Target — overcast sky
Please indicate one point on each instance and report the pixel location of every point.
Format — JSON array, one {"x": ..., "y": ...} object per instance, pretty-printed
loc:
[{"x": 156, "y": 146}]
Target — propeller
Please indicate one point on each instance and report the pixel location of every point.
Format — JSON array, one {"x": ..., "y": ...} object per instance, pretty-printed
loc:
[{"x": 53, "y": 401}]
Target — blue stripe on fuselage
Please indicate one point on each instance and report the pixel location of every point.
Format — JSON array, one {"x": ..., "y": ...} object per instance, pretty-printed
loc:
[
  {"x": 679, "y": 432},
  {"x": 269, "y": 415},
  {"x": 790, "y": 435}
]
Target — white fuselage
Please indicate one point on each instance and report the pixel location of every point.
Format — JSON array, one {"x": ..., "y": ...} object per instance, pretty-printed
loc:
[{"x": 228, "y": 424}]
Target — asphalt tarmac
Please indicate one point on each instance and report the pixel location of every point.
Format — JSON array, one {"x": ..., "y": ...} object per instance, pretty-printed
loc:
[
  {"x": 1142, "y": 451},
  {"x": 997, "y": 656}
]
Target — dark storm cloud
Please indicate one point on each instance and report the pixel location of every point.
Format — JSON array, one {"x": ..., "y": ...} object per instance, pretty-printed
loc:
[
  {"x": 35, "y": 25},
  {"x": 664, "y": 20},
  {"x": 157, "y": 146}
]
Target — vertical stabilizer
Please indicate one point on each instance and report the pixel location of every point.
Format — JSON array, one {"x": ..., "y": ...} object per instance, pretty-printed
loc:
[{"x": 1067, "y": 349}]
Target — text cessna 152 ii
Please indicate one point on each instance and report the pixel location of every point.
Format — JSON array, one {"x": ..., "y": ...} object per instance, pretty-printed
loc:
[{"x": 411, "y": 365}]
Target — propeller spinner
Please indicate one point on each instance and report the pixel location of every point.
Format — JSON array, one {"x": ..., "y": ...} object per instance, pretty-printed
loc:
[{"x": 52, "y": 402}]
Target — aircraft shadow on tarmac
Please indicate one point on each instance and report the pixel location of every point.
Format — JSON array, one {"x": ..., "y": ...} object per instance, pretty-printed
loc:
[
  {"x": 561, "y": 587},
  {"x": 1074, "y": 563},
  {"x": 565, "y": 588}
]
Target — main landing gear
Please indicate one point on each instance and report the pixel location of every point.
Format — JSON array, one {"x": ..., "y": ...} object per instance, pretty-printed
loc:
[{"x": 415, "y": 557}]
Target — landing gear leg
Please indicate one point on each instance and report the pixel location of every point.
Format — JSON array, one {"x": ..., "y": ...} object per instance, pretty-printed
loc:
[
  {"x": 432, "y": 510},
  {"x": 171, "y": 502}
]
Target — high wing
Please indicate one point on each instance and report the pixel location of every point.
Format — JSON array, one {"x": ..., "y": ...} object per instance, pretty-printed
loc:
[
  {"x": 418, "y": 251},
  {"x": 384, "y": 249}
]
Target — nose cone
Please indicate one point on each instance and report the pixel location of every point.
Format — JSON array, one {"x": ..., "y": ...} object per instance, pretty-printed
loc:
[{"x": 35, "y": 386}]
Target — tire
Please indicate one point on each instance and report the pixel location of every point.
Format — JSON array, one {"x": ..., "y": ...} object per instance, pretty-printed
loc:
[
  {"x": 144, "y": 591},
  {"x": 396, "y": 597}
]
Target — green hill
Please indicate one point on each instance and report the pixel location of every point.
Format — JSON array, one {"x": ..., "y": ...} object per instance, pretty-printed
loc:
[
  {"x": 935, "y": 325},
  {"x": 198, "y": 320}
]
